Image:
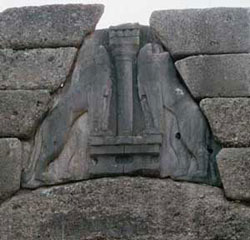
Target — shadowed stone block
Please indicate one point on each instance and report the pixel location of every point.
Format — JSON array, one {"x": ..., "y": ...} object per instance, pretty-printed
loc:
[
  {"x": 200, "y": 31},
  {"x": 125, "y": 208},
  {"x": 216, "y": 75},
  {"x": 10, "y": 166},
  {"x": 21, "y": 111},
  {"x": 47, "y": 26},
  {"x": 229, "y": 119},
  {"x": 35, "y": 69},
  {"x": 234, "y": 166}
]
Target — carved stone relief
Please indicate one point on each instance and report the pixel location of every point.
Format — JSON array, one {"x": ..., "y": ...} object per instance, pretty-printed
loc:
[{"x": 141, "y": 119}]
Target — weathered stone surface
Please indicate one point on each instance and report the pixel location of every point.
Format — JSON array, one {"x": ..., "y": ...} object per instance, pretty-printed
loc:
[
  {"x": 73, "y": 162},
  {"x": 188, "y": 150},
  {"x": 47, "y": 26},
  {"x": 160, "y": 106},
  {"x": 234, "y": 166},
  {"x": 203, "y": 31},
  {"x": 21, "y": 111},
  {"x": 225, "y": 75},
  {"x": 35, "y": 69},
  {"x": 125, "y": 208},
  {"x": 229, "y": 119},
  {"x": 10, "y": 166},
  {"x": 73, "y": 102}
]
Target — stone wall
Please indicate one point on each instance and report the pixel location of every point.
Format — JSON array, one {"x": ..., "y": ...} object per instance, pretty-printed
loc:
[{"x": 159, "y": 114}]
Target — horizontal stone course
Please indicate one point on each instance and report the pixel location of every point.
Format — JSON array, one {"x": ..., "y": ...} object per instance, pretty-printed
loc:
[
  {"x": 10, "y": 166},
  {"x": 234, "y": 166},
  {"x": 21, "y": 111},
  {"x": 226, "y": 75},
  {"x": 48, "y": 26},
  {"x": 229, "y": 119},
  {"x": 125, "y": 208},
  {"x": 203, "y": 31},
  {"x": 36, "y": 68}
]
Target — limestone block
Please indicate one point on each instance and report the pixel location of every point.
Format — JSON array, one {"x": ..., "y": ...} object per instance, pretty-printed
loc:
[
  {"x": 234, "y": 166},
  {"x": 225, "y": 75},
  {"x": 229, "y": 119},
  {"x": 125, "y": 208},
  {"x": 203, "y": 31},
  {"x": 10, "y": 166},
  {"x": 47, "y": 26},
  {"x": 21, "y": 111},
  {"x": 35, "y": 69}
]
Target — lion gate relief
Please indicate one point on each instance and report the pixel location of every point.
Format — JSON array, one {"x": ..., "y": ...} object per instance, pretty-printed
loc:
[{"x": 141, "y": 120}]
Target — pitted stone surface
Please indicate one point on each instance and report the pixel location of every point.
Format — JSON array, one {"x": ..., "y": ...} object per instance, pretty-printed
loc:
[
  {"x": 226, "y": 75},
  {"x": 21, "y": 111},
  {"x": 229, "y": 119},
  {"x": 10, "y": 166},
  {"x": 35, "y": 69},
  {"x": 48, "y": 26},
  {"x": 125, "y": 208},
  {"x": 234, "y": 166},
  {"x": 203, "y": 31}
]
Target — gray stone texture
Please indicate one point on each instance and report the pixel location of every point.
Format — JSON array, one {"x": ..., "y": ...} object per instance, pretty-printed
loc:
[
  {"x": 35, "y": 69},
  {"x": 225, "y": 75},
  {"x": 72, "y": 103},
  {"x": 124, "y": 208},
  {"x": 72, "y": 163},
  {"x": 47, "y": 26},
  {"x": 21, "y": 111},
  {"x": 229, "y": 119},
  {"x": 10, "y": 167},
  {"x": 188, "y": 150},
  {"x": 234, "y": 166},
  {"x": 203, "y": 31}
]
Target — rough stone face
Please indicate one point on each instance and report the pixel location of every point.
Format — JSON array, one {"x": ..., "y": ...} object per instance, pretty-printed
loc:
[
  {"x": 35, "y": 69},
  {"x": 125, "y": 208},
  {"x": 47, "y": 26},
  {"x": 216, "y": 75},
  {"x": 234, "y": 166},
  {"x": 72, "y": 163},
  {"x": 203, "y": 31},
  {"x": 21, "y": 111},
  {"x": 10, "y": 166},
  {"x": 229, "y": 119}
]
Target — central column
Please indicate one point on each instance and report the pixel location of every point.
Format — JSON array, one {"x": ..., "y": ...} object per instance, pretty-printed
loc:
[{"x": 124, "y": 42}]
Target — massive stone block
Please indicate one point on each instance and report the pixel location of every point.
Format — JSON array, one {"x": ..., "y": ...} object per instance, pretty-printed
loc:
[
  {"x": 21, "y": 111},
  {"x": 10, "y": 166},
  {"x": 234, "y": 166},
  {"x": 35, "y": 69},
  {"x": 229, "y": 119},
  {"x": 216, "y": 75},
  {"x": 203, "y": 31},
  {"x": 124, "y": 208},
  {"x": 47, "y": 26}
]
